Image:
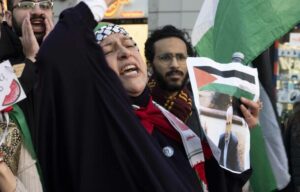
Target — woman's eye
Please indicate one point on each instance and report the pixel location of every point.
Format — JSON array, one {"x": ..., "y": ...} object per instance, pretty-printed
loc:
[
  {"x": 129, "y": 45},
  {"x": 107, "y": 52}
]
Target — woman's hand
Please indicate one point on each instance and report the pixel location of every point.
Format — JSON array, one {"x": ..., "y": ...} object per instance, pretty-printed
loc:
[
  {"x": 8, "y": 181},
  {"x": 250, "y": 110}
]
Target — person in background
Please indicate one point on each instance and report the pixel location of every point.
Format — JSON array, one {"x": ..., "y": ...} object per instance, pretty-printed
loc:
[
  {"x": 20, "y": 42},
  {"x": 292, "y": 143},
  {"x": 166, "y": 51},
  {"x": 26, "y": 25}
]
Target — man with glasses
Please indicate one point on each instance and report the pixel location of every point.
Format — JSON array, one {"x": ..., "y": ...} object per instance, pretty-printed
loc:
[
  {"x": 26, "y": 25},
  {"x": 166, "y": 51},
  {"x": 31, "y": 21}
]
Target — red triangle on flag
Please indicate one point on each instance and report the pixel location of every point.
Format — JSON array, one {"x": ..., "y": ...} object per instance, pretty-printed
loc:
[{"x": 202, "y": 77}]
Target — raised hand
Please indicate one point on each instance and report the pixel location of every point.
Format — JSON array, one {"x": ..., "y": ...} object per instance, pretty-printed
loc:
[{"x": 28, "y": 40}]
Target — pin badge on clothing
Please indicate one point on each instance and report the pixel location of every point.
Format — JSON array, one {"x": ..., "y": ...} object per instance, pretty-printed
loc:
[{"x": 168, "y": 151}]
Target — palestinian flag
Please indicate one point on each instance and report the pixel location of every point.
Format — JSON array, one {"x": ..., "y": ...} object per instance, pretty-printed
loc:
[
  {"x": 232, "y": 79},
  {"x": 248, "y": 26}
]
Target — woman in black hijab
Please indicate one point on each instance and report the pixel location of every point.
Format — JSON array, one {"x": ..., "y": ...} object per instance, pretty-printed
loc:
[{"x": 88, "y": 137}]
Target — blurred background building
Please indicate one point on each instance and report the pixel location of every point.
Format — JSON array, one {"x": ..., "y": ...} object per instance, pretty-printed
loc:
[
  {"x": 140, "y": 17},
  {"x": 180, "y": 13}
]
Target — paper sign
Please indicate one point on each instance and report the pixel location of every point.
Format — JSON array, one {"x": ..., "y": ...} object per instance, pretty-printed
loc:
[
  {"x": 11, "y": 90},
  {"x": 217, "y": 89}
]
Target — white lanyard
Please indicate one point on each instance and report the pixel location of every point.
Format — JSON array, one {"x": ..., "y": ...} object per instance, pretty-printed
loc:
[{"x": 191, "y": 142}]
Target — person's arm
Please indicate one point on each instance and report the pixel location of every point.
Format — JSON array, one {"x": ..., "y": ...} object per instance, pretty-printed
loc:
[
  {"x": 9, "y": 182},
  {"x": 7, "y": 179},
  {"x": 30, "y": 48},
  {"x": 98, "y": 7}
]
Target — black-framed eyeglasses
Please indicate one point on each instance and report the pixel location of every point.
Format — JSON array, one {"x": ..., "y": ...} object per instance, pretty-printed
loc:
[
  {"x": 168, "y": 57},
  {"x": 31, "y": 4}
]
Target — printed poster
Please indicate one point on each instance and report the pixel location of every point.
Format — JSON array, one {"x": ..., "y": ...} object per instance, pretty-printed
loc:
[{"x": 217, "y": 89}]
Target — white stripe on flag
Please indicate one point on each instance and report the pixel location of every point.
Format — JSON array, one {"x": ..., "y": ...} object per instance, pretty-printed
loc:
[
  {"x": 236, "y": 82},
  {"x": 205, "y": 20}
]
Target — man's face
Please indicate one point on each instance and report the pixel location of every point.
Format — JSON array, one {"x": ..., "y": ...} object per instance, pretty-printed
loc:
[
  {"x": 37, "y": 14},
  {"x": 169, "y": 63},
  {"x": 125, "y": 60}
]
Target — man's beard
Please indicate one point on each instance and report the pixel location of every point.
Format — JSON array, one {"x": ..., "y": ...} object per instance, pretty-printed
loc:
[
  {"x": 18, "y": 30},
  {"x": 165, "y": 85}
]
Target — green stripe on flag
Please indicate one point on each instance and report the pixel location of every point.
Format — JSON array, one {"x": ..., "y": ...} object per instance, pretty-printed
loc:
[
  {"x": 262, "y": 178},
  {"x": 205, "y": 46},
  {"x": 18, "y": 117},
  {"x": 227, "y": 89}
]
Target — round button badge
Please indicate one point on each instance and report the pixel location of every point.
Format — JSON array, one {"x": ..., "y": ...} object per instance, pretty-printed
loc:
[{"x": 168, "y": 151}]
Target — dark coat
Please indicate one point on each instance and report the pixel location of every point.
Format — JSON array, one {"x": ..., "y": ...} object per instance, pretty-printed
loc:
[{"x": 11, "y": 49}]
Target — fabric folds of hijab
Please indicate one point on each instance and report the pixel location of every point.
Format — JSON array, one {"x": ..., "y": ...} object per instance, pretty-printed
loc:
[{"x": 89, "y": 138}]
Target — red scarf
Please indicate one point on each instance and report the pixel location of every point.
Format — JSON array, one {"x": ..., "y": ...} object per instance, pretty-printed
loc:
[{"x": 151, "y": 117}]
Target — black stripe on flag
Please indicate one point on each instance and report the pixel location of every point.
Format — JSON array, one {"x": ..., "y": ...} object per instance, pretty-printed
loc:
[{"x": 227, "y": 74}]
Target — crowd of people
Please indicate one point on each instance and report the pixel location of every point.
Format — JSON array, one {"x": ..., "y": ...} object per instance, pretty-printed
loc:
[{"x": 93, "y": 119}]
